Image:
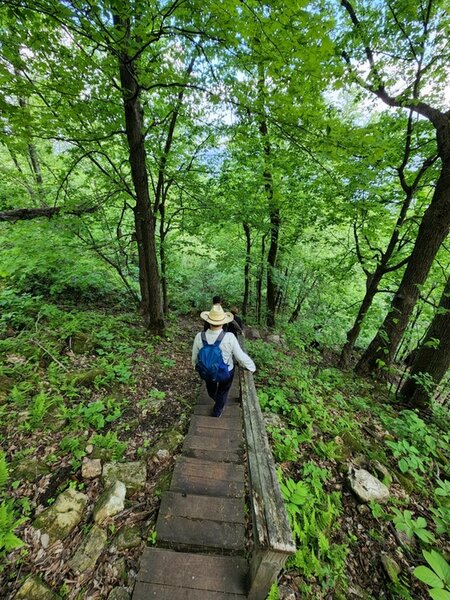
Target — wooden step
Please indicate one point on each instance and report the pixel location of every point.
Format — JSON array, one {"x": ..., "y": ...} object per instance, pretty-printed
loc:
[
  {"x": 222, "y": 440},
  {"x": 169, "y": 575},
  {"x": 208, "y": 478},
  {"x": 231, "y": 410},
  {"x": 188, "y": 522},
  {"x": 204, "y": 425}
]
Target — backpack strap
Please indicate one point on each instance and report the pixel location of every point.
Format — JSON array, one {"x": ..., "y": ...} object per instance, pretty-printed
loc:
[
  {"x": 219, "y": 338},
  {"x": 216, "y": 343}
]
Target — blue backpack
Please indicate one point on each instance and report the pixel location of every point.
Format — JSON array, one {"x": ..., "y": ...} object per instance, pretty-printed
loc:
[{"x": 210, "y": 364}]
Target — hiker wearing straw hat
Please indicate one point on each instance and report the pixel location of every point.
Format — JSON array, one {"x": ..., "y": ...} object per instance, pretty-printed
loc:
[{"x": 218, "y": 377}]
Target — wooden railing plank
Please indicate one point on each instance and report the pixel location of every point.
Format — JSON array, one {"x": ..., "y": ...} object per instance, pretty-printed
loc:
[{"x": 272, "y": 533}]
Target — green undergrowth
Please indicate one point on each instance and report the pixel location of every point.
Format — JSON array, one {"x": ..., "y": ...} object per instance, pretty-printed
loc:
[
  {"x": 66, "y": 377},
  {"x": 328, "y": 419}
]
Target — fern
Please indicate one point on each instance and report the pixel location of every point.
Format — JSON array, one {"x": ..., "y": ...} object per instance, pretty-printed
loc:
[
  {"x": 8, "y": 524},
  {"x": 39, "y": 408},
  {"x": 3, "y": 470}
]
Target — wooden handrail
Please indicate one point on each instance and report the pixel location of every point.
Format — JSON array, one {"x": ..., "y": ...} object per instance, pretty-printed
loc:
[{"x": 273, "y": 541}]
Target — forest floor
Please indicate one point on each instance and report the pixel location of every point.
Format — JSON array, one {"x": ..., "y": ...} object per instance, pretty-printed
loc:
[{"x": 83, "y": 384}]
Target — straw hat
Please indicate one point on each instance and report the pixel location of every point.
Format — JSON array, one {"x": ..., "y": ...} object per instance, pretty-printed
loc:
[{"x": 216, "y": 316}]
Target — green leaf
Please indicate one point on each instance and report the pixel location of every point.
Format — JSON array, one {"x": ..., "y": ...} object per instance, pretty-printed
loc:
[
  {"x": 438, "y": 594},
  {"x": 438, "y": 563},
  {"x": 428, "y": 576}
]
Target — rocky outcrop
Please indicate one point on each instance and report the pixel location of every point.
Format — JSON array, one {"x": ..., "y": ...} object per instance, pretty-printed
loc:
[{"x": 60, "y": 519}]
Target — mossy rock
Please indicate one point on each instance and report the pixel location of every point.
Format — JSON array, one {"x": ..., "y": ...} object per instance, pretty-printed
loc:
[
  {"x": 81, "y": 343},
  {"x": 30, "y": 470},
  {"x": 353, "y": 443},
  {"x": 407, "y": 482},
  {"x": 85, "y": 377},
  {"x": 169, "y": 441},
  {"x": 35, "y": 589},
  {"x": 128, "y": 537},
  {"x": 6, "y": 384}
]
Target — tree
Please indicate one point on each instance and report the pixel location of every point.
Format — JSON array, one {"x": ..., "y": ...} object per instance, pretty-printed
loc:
[
  {"x": 422, "y": 42},
  {"x": 386, "y": 260},
  {"x": 432, "y": 359}
]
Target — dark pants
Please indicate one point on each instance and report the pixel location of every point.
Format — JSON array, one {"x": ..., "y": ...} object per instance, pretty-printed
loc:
[{"x": 219, "y": 393}]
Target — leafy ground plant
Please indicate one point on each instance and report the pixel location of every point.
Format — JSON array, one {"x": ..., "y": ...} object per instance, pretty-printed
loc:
[{"x": 437, "y": 577}]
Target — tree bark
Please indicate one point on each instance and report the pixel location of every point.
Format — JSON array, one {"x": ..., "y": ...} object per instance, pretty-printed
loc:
[
  {"x": 432, "y": 232},
  {"x": 274, "y": 213},
  {"x": 248, "y": 247},
  {"x": 259, "y": 281},
  {"x": 26, "y": 214},
  {"x": 432, "y": 360},
  {"x": 149, "y": 281}
]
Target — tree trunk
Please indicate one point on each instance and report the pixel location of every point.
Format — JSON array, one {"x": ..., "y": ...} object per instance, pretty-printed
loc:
[
  {"x": 432, "y": 360},
  {"x": 259, "y": 281},
  {"x": 353, "y": 333},
  {"x": 162, "y": 256},
  {"x": 248, "y": 247},
  {"x": 151, "y": 304},
  {"x": 432, "y": 232}
]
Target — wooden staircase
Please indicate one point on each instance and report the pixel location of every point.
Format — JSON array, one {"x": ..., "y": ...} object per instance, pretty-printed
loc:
[{"x": 201, "y": 521}]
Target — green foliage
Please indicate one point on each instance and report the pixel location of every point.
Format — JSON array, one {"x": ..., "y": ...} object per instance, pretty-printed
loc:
[
  {"x": 9, "y": 522},
  {"x": 404, "y": 522},
  {"x": 4, "y": 471},
  {"x": 437, "y": 577},
  {"x": 76, "y": 446},
  {"x": 410, "y": 458},
  {"x": 110, "y": 441},
  {"x": 39, "y": 408},
  {"x": 441, "y": 513},
  {"x": 313, "y": 514}
]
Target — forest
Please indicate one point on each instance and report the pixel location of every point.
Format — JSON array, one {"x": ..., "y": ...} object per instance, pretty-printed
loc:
[{"x": 292, "y": 157}]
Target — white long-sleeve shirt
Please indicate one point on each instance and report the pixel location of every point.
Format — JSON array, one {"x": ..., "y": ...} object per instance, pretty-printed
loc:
[{"x": 229, "y": 347}]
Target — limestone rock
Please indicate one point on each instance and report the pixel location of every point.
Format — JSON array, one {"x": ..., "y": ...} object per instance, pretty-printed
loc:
[
  {"x": 111, "y": 502},
  {"x": 391, "y": 567},
  {"x": 132, "y": 474},
  {"x": 367, "y": 487},
  {"x": 251, "y": 333},
  {"x": 128, "y": 537},
  {"x": 91, "y": 467},
  {"x": 89, "y": 551},
  {"x": 274, "y": 339},
  {"x": 35, "y": 589},
  {"x": 163, "y": 455},
  {"x": 63, "y": 516},
  {"x": 120, "y": 570},
  {"x": 119, "y": 593}
]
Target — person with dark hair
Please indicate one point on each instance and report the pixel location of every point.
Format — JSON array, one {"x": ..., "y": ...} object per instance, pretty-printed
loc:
[
  {"x": 230, "y": 351},
  {"x": 236, "y": 326}
]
